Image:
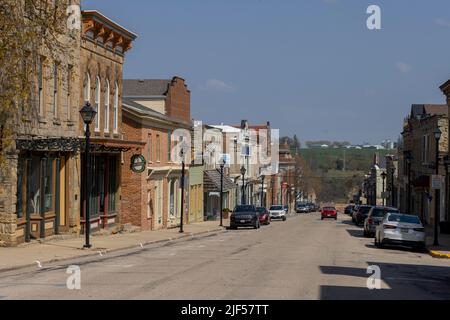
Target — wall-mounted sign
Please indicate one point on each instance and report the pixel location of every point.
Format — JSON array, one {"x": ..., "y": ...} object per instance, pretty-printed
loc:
[
  {"x": 436, "y": 182},
  {"x": 138, "y": 163}
]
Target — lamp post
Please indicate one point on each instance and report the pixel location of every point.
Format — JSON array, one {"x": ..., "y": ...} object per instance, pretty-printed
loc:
[
  {"x": 243, "y": 184},
  {"x": 383, "y": 176},
  {"x": 87, "y": 114},
  {"x": 182, "y": 190},
  {"x": 222, "y": 165},
  {"x": 437, "y": 136},
  {"x": 408, "y": 193}
]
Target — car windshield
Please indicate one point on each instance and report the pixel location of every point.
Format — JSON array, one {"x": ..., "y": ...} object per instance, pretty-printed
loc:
[
  {"x": 276, "y": 208},
  {"x": 403, "y": 218},
  {"x": 380, "y": 212},
  {"x": 244, "y": 209},
  {"x": 329, "y": 209}
]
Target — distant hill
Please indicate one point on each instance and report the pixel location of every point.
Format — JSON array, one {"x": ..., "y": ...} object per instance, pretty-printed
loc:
[{"x": 326, "y": 159}]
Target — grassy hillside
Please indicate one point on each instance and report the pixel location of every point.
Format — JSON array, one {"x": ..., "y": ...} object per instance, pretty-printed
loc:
[
  {"x": 327, "y": 165},
  {"x": 333, "y": 159}
]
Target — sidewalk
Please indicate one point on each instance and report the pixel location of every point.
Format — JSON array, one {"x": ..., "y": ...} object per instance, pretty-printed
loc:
[
  {"x": 57, "y": 250},
  {"x": 443, "y": 251}
]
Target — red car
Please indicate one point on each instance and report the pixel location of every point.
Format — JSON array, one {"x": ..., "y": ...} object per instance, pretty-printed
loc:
[
  {"x": 264, "y": 216},
  {"x": 329, "y": 212}
]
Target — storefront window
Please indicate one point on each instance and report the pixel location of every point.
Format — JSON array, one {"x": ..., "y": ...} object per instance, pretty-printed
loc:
[
  {"x": 21, "y": 183},
  {"x": 35, "y": 196},
  {"x": 49, "y": 185},
  {"x": 112, "y": 185}
]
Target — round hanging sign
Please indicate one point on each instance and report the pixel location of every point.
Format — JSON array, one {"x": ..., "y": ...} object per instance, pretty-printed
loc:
[{"x": 138, "y": 163}]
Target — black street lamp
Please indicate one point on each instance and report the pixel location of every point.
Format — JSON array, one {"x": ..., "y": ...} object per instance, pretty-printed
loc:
[
  {"x": 383, "y": 194},
  {"x": 87, "y": 114},
  {"x": 182, "y": 190},
  {"x": 437, "y": 136},
  {"x": 243, "y": 184},
  {"x": 222, "y": 165},
  {"x": 409, "y": 160}
]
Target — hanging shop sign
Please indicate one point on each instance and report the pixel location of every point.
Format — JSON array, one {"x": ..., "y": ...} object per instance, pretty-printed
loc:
[{"x": 138, "y": 163}]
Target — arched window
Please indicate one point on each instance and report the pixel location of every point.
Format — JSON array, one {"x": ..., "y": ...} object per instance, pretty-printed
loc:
[
  {"x": 97, "y": 103},
  {"x": 87, "y": 88},
  {"x": 107, "y": 92},
  {"x": 116, "y": 109}
]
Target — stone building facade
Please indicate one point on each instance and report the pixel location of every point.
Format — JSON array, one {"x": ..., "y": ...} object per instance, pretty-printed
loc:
[
  {"x": 417, "y": 162},
  {"x": 39, "y": 187}
]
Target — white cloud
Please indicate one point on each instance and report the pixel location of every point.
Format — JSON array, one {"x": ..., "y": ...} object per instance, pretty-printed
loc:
[
  {"x": 442, "y": 22},
  {"x": 217, "y": 85},
  {"x": 403, "y": 67}
]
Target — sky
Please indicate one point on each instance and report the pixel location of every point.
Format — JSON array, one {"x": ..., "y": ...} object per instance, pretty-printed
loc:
[{"x": 310, "y": 67}]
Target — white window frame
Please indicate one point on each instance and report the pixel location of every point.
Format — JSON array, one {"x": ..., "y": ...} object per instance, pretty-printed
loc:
[
  {"x": 116, "y": 109},
  {"x": 98, "y": 92},
  {"x": 107, "y": 92}
]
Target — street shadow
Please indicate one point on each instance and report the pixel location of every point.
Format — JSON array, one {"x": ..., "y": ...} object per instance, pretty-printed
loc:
[
  {"x": 397, "y": 248},
  {"x": 347, "y": 222},
  {"x": 356, "y": 233},
  {"x": 406, "y": 282}
]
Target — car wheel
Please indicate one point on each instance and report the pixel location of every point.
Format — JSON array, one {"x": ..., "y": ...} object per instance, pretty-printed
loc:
[{"x": 321, "y": 218}]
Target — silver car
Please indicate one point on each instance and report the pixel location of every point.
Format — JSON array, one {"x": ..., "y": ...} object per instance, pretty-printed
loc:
[
  {"x": 375, "y": 216},
  {"x": 402, "y": 229}
]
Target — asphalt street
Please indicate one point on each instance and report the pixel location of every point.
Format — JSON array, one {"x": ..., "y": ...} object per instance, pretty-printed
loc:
[{"x": 302, "y": 258}]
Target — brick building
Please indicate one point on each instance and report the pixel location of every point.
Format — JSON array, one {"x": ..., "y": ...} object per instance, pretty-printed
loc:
[
  {"x": 104, "y": 44},
  {"x": 155, "y": 112}
]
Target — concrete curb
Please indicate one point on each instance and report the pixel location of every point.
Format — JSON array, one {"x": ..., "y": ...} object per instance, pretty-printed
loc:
[
  {"x": 94, "y": 252},
  {"x": 438, "y": 254}
]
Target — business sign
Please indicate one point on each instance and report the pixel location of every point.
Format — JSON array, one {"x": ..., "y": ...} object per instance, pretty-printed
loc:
[
  {"x": 436, "y": 182},
  {"x": 138, "y": 163}
]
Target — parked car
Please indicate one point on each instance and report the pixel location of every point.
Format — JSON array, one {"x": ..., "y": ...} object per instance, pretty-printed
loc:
[
  {"x": 349, "y": 209},
  {"x": 245, "y": 216},
  {"x": 361, "y": 215},
  {"x": 302, "y": 208},
  {"x": 375, "y": 216},
  {"x": 264, "y": 216},
  {"x": 277, "y": 213},
  {"x": 329, "y": 212},
  {"x": 311, "y": 207},
  {"x": 401, "y": 229}
]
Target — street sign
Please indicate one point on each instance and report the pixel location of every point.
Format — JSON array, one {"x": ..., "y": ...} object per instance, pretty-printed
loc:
[{"x": 436, "y": 182}]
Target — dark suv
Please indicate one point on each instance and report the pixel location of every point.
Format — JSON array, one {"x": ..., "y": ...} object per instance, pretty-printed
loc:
[
  {"x": 361, "y": 215},
  {"x": 245, "y": 216}
]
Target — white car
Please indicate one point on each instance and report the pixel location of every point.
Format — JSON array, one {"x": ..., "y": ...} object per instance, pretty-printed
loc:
[
  {"x": 402, "y": 229},
  {"x": 277, "y": 212}
]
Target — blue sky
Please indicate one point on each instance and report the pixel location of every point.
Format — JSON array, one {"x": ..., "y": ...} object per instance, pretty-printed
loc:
[{"x": 310, "y": 67}]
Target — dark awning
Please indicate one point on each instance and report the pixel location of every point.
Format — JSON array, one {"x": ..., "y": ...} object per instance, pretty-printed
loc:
[{"x": 211, "y": 182}]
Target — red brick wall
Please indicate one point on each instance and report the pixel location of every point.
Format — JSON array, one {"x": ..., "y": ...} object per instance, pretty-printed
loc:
[
  {"x": 178, "y": 103},
  {"x": 132, "y": 195}
]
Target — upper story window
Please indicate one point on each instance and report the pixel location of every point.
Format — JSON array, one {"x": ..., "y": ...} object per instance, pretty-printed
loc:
[
  {"x": 41, "y": 86},
  {"x": 425, "y": 148},
  {"x": 55, "y": 90},
  {"x": 69, "y": 91},
  {"x": 116, "y": 108},
  {"x": 107, "y": 92},
  {"x": 97, "y": 103},
  {"x": 87, "y": 88}
]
